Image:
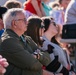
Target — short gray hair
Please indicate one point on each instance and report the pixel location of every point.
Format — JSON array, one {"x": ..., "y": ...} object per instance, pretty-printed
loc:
[{"x": 10, "y": 15}]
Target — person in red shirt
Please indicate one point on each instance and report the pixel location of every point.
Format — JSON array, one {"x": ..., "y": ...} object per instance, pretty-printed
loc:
[{"x": 35, "y": 7}]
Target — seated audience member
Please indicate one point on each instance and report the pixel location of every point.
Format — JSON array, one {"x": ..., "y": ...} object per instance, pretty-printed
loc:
[
  {"x": 13, "y": 4},
  {"x": 2, "y": 11},
  {"x": 21, "y": 57},
  {"x": 35, "y": 7},
  {"x": 36, "y": 30},
  {"x": 54, "y": 49},
  {"x": 3, "y": 65}
]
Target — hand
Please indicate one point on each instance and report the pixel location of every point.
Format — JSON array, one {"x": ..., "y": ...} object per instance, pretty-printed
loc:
[
  {"x": 45, "y": 72},
  {"x": 72, "y": 73},
  {"x": 59, "y": 74},
  {"x": 34, "y": 55},
  {"x": 37, "y": 56},
  {"x": 2, "y": 70},
  {"x": 3, "y": 64}
]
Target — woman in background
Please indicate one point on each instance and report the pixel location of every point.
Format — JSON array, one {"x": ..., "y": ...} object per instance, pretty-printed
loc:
[
  {"x": 35, "y": 7},
  {"x": 53, "y": 47}
]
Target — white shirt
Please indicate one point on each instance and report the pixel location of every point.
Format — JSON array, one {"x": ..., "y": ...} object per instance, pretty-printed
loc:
[{"x": 70, "y": 14}]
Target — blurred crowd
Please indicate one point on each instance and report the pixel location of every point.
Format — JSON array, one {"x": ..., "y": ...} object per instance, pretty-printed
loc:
[{"x": 30, "y": 35}]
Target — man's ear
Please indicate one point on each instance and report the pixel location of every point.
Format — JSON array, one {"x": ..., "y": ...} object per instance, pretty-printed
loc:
[{"x": 13, "y": 23}]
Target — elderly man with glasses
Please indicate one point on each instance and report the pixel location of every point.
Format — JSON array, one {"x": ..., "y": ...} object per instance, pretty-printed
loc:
[{"x": 16, "y": 49}]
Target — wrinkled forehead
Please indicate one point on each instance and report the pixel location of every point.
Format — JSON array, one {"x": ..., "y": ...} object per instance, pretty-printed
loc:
[{"x": 20, "y": 15}]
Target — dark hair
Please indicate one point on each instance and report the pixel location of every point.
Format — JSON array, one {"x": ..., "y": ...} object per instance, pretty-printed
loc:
[
  {"x": 34, "y": 23},
  {"x": 2, "y": 11},
  {"x": 46, "y": 21},
  {"x": 54, "y": 5},
  {"x": 60, "y": 1},
  {"x": 54, "y": 40}
]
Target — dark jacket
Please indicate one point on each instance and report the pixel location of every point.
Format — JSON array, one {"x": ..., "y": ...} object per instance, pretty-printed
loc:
[{"x": 19, "y": 56}]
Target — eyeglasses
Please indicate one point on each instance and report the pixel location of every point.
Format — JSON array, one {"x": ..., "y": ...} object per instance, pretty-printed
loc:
[{"x": 22, "y": 20}]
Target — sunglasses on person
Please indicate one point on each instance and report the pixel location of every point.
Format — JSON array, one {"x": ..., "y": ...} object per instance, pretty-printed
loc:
[{"x": 54, "y": 23}]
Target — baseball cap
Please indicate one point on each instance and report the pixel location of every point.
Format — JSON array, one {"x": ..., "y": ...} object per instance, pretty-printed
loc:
[{"x": 2, "y": 11}]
